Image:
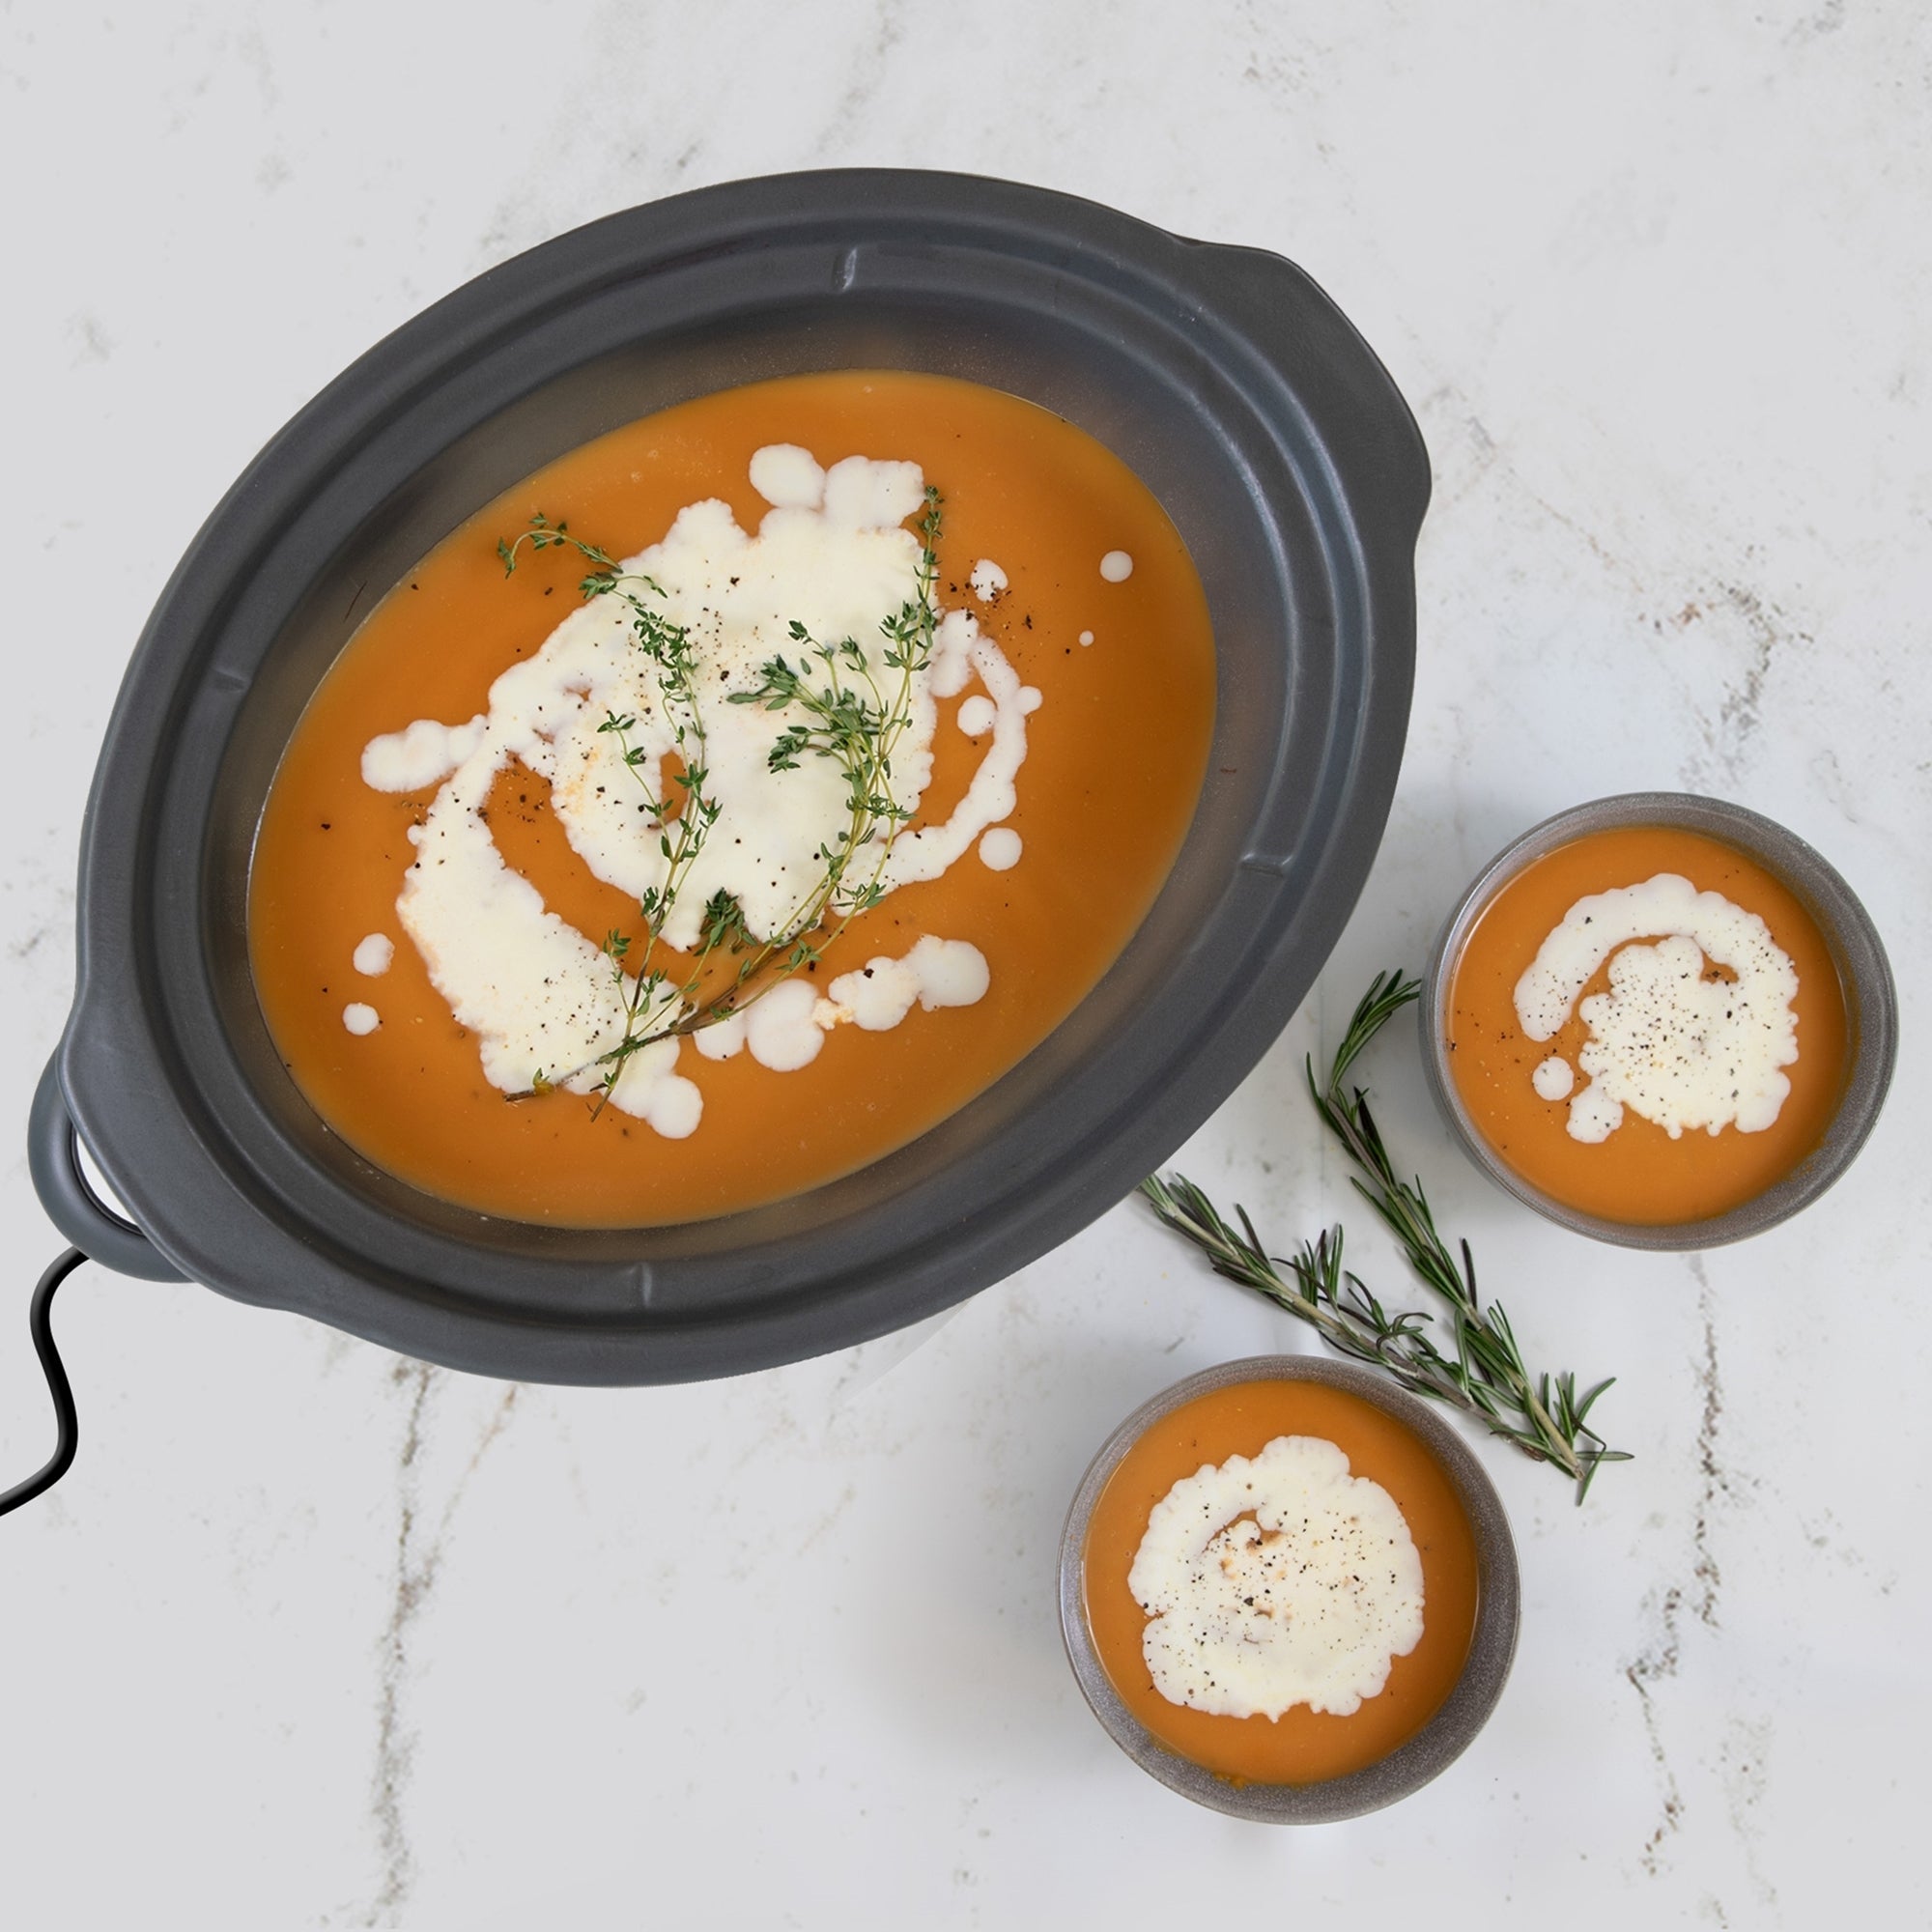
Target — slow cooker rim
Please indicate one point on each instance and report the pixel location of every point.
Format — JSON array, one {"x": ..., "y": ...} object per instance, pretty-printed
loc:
[{"x": 506, "y": 1344}]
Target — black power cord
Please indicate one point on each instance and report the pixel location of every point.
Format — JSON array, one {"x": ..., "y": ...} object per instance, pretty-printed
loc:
[{"x": 66, "y": 1426}]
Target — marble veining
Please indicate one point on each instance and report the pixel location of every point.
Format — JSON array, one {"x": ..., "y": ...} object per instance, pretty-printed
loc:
[
  {"x": 1697, "y": 1594},
  {"x": 423, "y": 1529}
]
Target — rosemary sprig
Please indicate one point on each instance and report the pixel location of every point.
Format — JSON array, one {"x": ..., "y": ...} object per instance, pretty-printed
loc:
[
  {"x": 1485, "y": 1377},
  {"x": 843, "y": 714}
]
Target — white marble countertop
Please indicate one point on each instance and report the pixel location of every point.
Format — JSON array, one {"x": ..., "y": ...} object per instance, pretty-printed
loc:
[{"x": 315, "y": 1637}]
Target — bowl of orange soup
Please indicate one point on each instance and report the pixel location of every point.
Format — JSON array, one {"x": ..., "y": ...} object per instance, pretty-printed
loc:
[
  {"x": 1661, "y": 1019},
  {"x": 1289, "y": 1591},
  {"x": 738, "y": 778}
]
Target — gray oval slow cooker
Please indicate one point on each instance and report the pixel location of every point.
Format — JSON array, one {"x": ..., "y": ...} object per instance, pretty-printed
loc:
[{"x": 1223, "y": 375}]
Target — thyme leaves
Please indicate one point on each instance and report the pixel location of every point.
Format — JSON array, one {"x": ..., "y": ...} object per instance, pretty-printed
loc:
[{"x": 839, "y": 700}]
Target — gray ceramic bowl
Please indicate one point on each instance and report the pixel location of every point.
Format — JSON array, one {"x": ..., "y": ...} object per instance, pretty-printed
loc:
[
  {"x": 1871, "y": 1008},
  {"x": 1441, "y": 1741}
]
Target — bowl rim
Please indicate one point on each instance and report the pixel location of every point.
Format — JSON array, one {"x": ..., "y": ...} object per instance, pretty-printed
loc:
[
  {"x": 1417, "y": 1760},
  {"x": 1866, "y": 979}
]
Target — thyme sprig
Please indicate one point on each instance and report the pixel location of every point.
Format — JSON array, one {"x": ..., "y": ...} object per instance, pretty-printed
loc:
[
  {"x": 1485, "y": 1377},
  {"x": 846, "y": 717},
  {"x": 845, "y": 713},
  {"x": 682, "y": 823}
]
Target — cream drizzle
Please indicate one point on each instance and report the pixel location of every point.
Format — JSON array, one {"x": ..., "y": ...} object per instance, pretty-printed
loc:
[
  {"x": 1681, "y": 1047},
  {"x": 540, "y": 996},
  {"x": 1275, "y": 1580}
]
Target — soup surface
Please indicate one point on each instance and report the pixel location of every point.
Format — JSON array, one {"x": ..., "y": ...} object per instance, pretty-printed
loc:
[
  {"x": 1638, "y": 1173},
  {"x": 1068, "y": 566},
  {"x": 1301, "y": 1746}
]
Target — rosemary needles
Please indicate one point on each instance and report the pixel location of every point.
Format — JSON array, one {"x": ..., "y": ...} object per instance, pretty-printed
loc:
[{"x": 1485, "y": 1376}]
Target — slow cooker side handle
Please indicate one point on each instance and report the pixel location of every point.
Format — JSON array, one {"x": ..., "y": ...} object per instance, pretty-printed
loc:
[{"x": 53, "y": 1159}]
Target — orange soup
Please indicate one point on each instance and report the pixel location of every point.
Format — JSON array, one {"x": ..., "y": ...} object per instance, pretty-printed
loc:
[
  {"x": 1638, "y": 1173},
  {"x": 1301, "y": 1746},
  {"x": 1087, "y": 617}
]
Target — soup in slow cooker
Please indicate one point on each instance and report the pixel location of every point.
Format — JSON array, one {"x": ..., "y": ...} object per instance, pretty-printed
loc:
[{"x": 731, "y": 800}]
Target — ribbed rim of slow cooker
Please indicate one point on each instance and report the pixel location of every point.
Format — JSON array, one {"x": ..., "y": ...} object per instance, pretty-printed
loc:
[{"x": 1327, "y": 452}]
